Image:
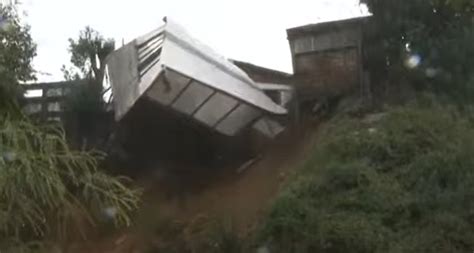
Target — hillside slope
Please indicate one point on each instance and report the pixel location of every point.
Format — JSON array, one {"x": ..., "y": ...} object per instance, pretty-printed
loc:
[
  {"x": 400, "y": 181},
  {"x": 184, "y": 205}
]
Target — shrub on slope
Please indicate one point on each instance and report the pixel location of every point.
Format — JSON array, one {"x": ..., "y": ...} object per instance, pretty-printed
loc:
[{"x": 404, "y": 183}]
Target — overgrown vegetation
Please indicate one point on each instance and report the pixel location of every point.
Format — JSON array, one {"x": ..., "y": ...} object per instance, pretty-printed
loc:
[
  {"x": 86, "y": 104},
  {"x": 48, "y": 192},
  {"x": 86, "y": 119},
  {"x": 88, "y": 54},
  {"x": 404, "y": 183},
  {"x": 17, "y": 51}
]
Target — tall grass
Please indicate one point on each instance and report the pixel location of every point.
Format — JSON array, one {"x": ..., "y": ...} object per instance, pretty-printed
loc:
[{"x": 48, "y": 192}]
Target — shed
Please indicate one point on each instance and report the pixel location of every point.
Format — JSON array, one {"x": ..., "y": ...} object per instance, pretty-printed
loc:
[{"x": 327, "y": 57}]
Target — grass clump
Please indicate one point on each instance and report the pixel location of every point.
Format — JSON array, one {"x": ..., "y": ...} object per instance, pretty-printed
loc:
[
  {"x": 50, "y": 193},
  {"x": 402, "y": 183}
]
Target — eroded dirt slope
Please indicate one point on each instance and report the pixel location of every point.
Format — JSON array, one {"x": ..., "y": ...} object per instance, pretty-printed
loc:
[{"x": 237, "y": 194}]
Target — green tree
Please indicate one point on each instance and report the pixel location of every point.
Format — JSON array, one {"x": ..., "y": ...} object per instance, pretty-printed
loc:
[
  {"x": 88, "y": 54},
  {"x": 433, "y": 36},
  {"x": 17, "y": 51},
  {"x": 85, "y": 105}
]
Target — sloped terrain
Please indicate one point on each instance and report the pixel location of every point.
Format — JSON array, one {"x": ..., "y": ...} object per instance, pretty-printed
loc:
[
  {"x": 187, "y": 200},
  {"x": 236, "y": 193},
  {"x": 397, "y": 181}
]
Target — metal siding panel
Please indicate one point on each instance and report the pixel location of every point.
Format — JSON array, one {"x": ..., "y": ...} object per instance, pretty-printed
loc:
[
  {"x": 238, "y": 119},
  {"x": 188, "y": 56},
  {"x": 214, "y": 109},
  {"x": 123, "y": 73},
  {"x": 148, "y": 49},
  {"x": 149, "y": 78},
  {"x": 165, "y": 92},
  {"x": 183, "y": 73},
  {"x": 268, "y": 127},
  {"x": 147, "y": 37},
  {"x": 192, "y": 97},
  {"x": 327, "y": 41}
]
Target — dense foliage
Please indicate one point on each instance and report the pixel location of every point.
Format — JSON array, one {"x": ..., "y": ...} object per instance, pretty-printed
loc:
[
  {"x": 400, "y": 182},
  {"x": 427, "y": 42},
  {"x": 48, "y": 192},
  {"x": 86, "y": 104},
  {"x": 88, "y": 54},
  {"x": 17, "y": 50}
]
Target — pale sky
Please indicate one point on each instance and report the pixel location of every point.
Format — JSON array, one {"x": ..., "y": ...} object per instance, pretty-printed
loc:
[{"x": 246, "y": 30}]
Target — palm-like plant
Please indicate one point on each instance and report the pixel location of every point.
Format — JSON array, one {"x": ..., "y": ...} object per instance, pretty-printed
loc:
[{"x": 49, "y": 191}]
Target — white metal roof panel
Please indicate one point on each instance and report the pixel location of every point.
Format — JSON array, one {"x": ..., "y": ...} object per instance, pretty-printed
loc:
[
  {"x": 188, "y": 56},
  {"x": 175, "y": 70}
]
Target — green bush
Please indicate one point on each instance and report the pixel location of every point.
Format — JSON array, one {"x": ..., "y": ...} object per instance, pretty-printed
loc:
[{"x": 404, "y": 183}]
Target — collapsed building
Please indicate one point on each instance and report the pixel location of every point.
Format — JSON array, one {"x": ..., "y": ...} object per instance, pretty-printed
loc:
[
  {"x": 173, "y": 95},
  {"x": 175, "y": 71},
  {"x": 176, "y": 91}
]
